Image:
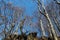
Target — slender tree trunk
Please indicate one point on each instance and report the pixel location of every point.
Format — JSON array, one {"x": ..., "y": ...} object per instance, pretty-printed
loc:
[
  {"x": 52, "y": 28},
  {"x": 42, "y": 28}
]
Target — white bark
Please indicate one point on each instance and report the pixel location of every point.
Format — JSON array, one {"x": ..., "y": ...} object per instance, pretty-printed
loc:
[
  {"x": 42, "y": 28},
  {"x": 48, "y": 18},
  {"x": 51, "y": 25}
]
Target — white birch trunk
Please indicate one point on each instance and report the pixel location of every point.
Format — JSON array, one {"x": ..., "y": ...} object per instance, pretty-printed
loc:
[
  {"x": 42, "y": 28},
  {"x": 49, "y": 20}
]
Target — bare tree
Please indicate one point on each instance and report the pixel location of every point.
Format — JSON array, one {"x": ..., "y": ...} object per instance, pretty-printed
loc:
[
  {"x": 14, "y": 13},
  {"x": 47, "y": 17}
]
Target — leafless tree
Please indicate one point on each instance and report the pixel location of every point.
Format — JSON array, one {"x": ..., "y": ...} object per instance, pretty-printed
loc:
[
  {"x": 15, "y": 13},
  {"x": 45, "y": 13}
]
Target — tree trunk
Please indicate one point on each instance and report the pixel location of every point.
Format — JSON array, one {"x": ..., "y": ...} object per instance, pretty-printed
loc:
[
  {"x": 48, "y": 18},
  {"x": 42, "y": 28}
]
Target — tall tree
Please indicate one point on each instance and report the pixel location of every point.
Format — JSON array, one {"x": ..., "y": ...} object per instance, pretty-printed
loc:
[{"x": 47, "y": 17}]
